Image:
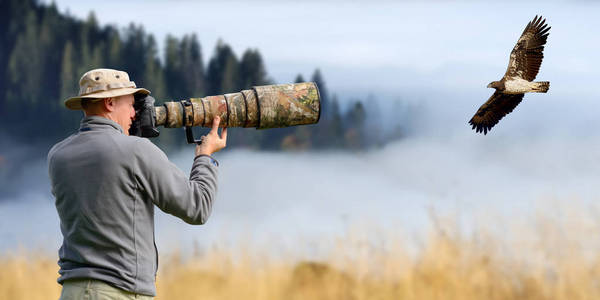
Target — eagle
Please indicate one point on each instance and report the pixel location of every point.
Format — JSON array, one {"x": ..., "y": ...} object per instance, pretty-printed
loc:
[{"x": 523, "y": 66}]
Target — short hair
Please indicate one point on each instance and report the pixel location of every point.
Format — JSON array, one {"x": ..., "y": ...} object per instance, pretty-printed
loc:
[{"x": 86, "y": 102}]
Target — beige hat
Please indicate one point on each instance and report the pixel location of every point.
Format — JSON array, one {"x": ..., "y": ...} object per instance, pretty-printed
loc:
[{"x": 103, "y": 83}]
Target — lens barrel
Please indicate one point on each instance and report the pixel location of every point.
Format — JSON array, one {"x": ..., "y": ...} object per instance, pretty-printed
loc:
[{"x": 269, "y": 106}]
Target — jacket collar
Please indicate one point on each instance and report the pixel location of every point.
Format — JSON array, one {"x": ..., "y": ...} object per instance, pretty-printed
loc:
[{"x": 99, "y": 123}]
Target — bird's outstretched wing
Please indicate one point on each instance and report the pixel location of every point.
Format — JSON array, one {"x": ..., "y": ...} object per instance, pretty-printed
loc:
[
  {"x": 526, "y": 57},
  {"x": 492, "y": 111}
]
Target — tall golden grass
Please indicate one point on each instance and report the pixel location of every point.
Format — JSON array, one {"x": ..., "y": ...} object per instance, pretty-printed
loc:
[{"x": 533, "y": 258}]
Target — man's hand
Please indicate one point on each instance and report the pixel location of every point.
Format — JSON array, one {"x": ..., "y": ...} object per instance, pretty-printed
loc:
[{"x": 211, "y": 142}]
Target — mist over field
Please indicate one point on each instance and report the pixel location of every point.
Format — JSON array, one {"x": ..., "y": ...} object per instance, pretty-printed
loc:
[
  {"x": 542, "y": 156},
  {"x": 293, "y": 196}
]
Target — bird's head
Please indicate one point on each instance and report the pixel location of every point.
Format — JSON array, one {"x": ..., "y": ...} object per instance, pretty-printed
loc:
[{"x": 494, "y": 85}]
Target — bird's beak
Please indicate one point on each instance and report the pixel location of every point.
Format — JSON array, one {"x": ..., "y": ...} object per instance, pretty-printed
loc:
[{"x": 489, "y": 85}]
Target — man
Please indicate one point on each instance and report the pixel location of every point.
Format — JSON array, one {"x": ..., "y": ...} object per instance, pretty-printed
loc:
[{"x": 106, "y": 184}]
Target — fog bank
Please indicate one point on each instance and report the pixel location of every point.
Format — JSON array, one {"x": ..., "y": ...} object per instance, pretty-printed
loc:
[{"x": 291, "y": 197}]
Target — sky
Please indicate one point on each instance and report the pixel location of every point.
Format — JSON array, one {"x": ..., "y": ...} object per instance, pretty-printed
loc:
[{"x": 383, "y": 47}]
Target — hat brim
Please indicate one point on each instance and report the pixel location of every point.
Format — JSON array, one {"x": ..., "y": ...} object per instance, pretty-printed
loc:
[{"x": 74, "y": 103}]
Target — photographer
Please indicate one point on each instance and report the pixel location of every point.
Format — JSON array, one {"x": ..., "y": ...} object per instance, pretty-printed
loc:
[{"x": 106, "y": 184}]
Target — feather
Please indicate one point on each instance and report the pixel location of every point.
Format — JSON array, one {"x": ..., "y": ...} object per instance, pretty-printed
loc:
[
  {"x": 493, "y": 110},
  {"x": 526, "y": 57}
]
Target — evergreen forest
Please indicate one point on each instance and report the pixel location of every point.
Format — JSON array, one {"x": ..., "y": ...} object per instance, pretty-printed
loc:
[{"x": 44, "y": 52}]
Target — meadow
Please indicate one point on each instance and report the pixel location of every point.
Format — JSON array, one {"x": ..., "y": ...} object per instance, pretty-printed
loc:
[{"x": 551, "y": 255}]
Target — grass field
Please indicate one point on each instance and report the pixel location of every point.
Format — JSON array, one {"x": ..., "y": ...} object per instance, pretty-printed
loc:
[{"x": 543, "y": 258}]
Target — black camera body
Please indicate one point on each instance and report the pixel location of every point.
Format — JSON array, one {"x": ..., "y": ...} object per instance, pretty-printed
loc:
[{"x": 144, "y": 124}]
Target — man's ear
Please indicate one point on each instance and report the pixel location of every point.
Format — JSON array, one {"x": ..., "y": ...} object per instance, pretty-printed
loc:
[{"x": 109, "y": 104}]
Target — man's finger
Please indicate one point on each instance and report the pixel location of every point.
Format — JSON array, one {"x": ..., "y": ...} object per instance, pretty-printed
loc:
[
  {"x": 215, "y": 126},
  {"x": 224, "y": 134}
]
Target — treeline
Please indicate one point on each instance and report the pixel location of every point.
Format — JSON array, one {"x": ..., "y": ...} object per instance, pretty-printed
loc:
[{"x": 43, "y": 53}]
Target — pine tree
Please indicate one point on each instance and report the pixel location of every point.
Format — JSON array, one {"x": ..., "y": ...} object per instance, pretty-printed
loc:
[
  {"x": 135, "y": 51},
  {"x": 24, "y": 65},
  {"x": 321, "y": 135},
  {"x": 317, "y": 78},
  {"x": 355, "y": 126},
  {"x": 184, "y": 68},
  {"x": 17, "y": 19},
  {"x": 153, "y": 75},
  {"x": 173, "y": 68},
  {"x": 114, "y": 49},
  {"x": 252, "y": 70},
  {"x": 231, "y": 81},
  {"x": 299, "y": 79},
  {"x": 193, "y": 67},
  {"x": 68, "y": 76},
  {"x": 51, "y": 58},
  {"x": 223, "y": 70},
  {"x": 85, "y": 55},
  {"x": 336, "y": 127},
  {"x": 373, "y": 123}
]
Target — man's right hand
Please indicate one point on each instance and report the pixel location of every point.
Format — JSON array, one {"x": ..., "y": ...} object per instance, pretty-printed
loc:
[{"x": 212, "y": 142}]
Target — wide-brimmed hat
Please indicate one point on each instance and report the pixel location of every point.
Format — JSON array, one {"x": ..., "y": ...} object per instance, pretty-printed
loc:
[{"x": 103, "y": 83}]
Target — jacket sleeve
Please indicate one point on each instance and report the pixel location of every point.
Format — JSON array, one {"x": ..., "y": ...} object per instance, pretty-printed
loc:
[{"x": 168, "y": 187}]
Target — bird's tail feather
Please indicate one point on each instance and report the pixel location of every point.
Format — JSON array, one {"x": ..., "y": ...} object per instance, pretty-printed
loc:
[{"x": 541, "y": 87}]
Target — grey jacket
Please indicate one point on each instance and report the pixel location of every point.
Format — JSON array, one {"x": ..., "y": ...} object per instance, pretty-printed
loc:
[{"x": 106, "y": 185}]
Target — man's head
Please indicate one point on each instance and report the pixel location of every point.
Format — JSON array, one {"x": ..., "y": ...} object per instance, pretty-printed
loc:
[
  {"x": 107, "y": 93},
  {"x": 119, "y": 109}
]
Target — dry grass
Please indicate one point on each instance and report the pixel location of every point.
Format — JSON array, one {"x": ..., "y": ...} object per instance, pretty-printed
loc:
[
  {"x": 29, "y": 277},
  {"x": 545, "y": 259}
]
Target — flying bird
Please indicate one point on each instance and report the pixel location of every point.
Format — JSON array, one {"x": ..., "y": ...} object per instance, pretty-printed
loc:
[{"x": 525, "y": 60}]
